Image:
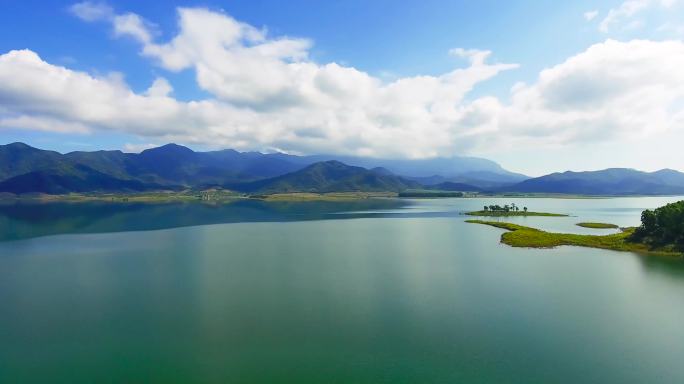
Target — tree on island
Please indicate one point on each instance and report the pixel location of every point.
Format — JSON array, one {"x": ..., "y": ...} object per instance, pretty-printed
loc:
[
  {"x": 662, "y": 226},
  {"x": 506, "y": 208}
]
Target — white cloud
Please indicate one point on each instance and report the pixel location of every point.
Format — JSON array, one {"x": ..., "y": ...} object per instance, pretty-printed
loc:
[
  {"x": 474, "y": 56},
  {"x": 338, "y": 109},
  {"x": 269, "y": 95},
  {"x": 138, "y": 147},
  {"x": 92, "y": 11},
  {"x": 630, "y": 9},
  {"x": 590, "y": 15},
  {"x": 43, "y": 123},
  {"x": 159, "y": 88},
  {"x": 127, "y": 24},
  {"x": 612, "y": 91},
  {"x": 132, "y": 25}
]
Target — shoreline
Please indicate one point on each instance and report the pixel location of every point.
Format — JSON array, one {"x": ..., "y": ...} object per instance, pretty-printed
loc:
[
  {"x": 192, "y": 197},
  {"x": 520, "y": 236},
  {"x": 514, "y": 214},
  {"x": 227, "y": 196}
]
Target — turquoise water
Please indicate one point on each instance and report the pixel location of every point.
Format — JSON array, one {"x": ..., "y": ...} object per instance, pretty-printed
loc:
[{"x": 365, "y": 292}]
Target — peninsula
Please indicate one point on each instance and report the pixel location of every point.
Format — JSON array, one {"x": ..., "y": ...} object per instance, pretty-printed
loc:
[{"x": 661, "y": 233}]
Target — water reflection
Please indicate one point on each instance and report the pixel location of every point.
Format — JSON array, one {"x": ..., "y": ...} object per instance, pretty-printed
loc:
[{"x": 27, "y": 220}]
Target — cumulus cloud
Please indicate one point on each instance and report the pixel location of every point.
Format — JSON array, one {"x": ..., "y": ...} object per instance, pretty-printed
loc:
[
  {"x": 613, "y": 90},
  {"x": 267, "y": 95},
  {"x": 36, "y": 94},
  {"x": 92, "y": 11},
  {"x": 127, "y": 24},
  {"x": 159, "y": 88},
  {"x": 132, "y": 25}
]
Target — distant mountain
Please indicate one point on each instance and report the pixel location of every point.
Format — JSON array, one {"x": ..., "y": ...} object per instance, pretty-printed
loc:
[
  {"x": 175, "y": 166},
  {"x": 168, "y": 166},
  {"x": 613, "y": 181},
  {"x": 471, "y": 170},
  {"x": 24, "y": 169},
  {"x": 18, "y": 158},
  {"x": 329, "y": 176},
  {"x": 78, "y": 178},
  {"x": 382, "y": 171}
]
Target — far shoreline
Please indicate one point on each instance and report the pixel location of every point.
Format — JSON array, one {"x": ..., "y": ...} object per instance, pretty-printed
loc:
[{"x": 226, "y": 196}]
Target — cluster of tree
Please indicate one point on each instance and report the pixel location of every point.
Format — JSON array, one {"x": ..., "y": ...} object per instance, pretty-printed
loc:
[
  {"x": 505, "y": 208},
  {"x": 662, "y": 226}
]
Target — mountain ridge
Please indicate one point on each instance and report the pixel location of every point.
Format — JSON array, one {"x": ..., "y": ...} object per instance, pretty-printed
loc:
[
  {"x": 25, "y": 169},
  {"x": 329, "y": 176},
  {"x": 610, "y": 181},
  {"x": 176, "y": 166}
]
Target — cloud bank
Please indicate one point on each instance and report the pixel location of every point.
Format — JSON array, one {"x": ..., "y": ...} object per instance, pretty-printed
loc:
[{"x": 266, "y": 94}]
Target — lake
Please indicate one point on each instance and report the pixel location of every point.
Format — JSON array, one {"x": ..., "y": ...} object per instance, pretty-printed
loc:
[{"x": 388, "y": 291}]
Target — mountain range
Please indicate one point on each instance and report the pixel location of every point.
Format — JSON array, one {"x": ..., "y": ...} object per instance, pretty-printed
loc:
[
  {"x": 25, "y": 169},
  {"x": 330, "y": 176},
  {"x": 612, "y": 181}
]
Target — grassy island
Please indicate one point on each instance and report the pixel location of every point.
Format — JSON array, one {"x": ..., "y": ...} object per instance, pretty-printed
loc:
[
  {"x": 598, "y": 225},
  {"x": 527, "y": 237},
  {"x": 512, "y": 213},
  {"x": 507, "y": 210}
]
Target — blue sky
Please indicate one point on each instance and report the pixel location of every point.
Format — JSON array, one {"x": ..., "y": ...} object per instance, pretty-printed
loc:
[{"x": 386, "y": 41}]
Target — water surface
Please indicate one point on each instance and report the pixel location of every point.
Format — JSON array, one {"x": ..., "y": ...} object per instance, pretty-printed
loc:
[{"x": 366, "y": 292}]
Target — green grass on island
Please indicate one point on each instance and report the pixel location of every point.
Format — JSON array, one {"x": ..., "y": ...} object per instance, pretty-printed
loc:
[
  {"x": 598, "y": 225},
  {"x": 527, "y": 237},
  {"x": 513, "y": 213}
]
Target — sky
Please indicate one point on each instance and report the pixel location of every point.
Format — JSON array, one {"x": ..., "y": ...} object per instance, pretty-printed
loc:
[{"x": 538, "y": 86}]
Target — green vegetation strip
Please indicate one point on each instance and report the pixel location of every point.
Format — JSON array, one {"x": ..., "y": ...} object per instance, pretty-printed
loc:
[
  {"x": 433, "y": 194},
  {"x": 598, "y": 225},
  {"x": 332, "y": 196},
  {"x": 526, "y": 237},
  {"x": 512, "y": 213}
]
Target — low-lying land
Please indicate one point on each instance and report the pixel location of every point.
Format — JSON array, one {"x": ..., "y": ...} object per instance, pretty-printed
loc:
[
  {"x": 597, "y": 225},
  {"x": 332, "y": 196},
  {"x": 426, "y": 193},
  {"x": 513, "y": 213},
  {"x": 140, "y": 197},
  {"x": 207, "y": 196},
  {"x": 527, "y": 237}
]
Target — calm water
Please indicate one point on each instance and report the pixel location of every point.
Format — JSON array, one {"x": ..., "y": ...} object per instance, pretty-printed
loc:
[{"x": 367, "y": 292}]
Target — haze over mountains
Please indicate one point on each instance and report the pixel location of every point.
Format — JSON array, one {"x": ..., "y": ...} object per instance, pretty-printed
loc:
[{"x": 25, "y": 169}]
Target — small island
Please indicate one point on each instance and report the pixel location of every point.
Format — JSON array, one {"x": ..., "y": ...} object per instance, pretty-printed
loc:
[
  {"x": 661, "y": 233},
  {"x": 510, "y": 210},
  {"x": 597, "y": 225}
]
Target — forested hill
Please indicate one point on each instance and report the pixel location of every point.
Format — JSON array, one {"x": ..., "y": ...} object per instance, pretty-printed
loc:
[{"x": 25, "y": 169}]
